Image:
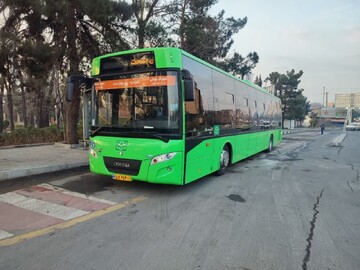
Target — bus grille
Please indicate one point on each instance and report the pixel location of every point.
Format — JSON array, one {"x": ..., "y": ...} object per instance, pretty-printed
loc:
[{"x": 123, "y": 166}]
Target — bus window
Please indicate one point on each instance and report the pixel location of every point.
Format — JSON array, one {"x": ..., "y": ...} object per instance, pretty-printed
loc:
[
  {"x": 224, "y": 101},
  {"x": 145, "y": 101},
  {"x": 199, "y": 114},
  {"x": 243, "y": 120}
]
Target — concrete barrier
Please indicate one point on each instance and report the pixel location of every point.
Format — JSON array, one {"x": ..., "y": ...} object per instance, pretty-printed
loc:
[{"x": 337, "y": 141}]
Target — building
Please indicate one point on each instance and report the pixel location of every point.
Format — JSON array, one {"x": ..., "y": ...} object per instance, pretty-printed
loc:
[
  {"x": 333, "y": 115},
  {"x": 329, "y": 115},
  {"x": 351, "y": 103},
  {"x": 351, "y": 100}
]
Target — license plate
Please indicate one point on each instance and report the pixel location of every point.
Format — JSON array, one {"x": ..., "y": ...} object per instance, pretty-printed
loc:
[{"x": 121, "y": 177}]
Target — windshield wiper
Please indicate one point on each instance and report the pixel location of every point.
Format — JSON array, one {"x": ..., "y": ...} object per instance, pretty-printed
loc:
[
  {"x": 96, "y": 131},
  {"x": 146, "y": 135},
  {"x": 135, "y": 133},
  {"x": 166, "y": 140},
  {"x": 99, "y": 129}
]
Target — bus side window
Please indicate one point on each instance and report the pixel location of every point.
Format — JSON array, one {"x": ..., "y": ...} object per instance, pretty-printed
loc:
[{"x": 195, "y": 124}]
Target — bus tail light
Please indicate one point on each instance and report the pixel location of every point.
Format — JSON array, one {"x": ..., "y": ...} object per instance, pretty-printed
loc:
[{"x": 162, "y": 158}]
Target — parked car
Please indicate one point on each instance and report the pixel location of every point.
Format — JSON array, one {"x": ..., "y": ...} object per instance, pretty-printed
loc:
[{"x": 352, "y": 126}]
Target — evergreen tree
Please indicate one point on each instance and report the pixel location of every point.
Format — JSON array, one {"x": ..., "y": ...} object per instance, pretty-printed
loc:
[
  {"x": 145, "y": 11},
  {"x": 295, "y": 105},
  {"x": 37, "y": 60},
  {"x": 74, "y": 30},
  {"x": 258, "y": 81},
  {"x": 207, "y": 37},
  {"x": 240, "y": 66},
  {"x": 48, "y": 35},
  {"x": 298, "y": 107}
]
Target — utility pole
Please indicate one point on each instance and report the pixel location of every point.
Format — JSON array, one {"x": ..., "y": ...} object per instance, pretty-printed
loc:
[{"x": 324, "y": 97}]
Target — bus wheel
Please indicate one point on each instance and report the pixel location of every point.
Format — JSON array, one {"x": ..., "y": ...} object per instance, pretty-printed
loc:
[
  {"x": 224, "y": 160},
  {"x": 271, "y": 145}
]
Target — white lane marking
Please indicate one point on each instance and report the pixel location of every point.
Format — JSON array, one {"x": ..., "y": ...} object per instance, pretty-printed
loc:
[
  {"x": 76, "y": 194},
  {"x": 4, "y": 234},
  {"x": 39, "y": 206}
]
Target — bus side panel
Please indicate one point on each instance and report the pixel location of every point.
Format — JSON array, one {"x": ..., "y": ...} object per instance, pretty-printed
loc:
[
  {"x": 263, "y": 140},
  {"x": 199, "y": 160},
  {"x": 241, "y": 149},
  {"x": 277, "y": 136},
  {"x": 171, "y": 173},
  {"x": 252, "y": 142}
]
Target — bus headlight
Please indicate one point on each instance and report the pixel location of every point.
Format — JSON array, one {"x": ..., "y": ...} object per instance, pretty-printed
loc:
[
  {"x": 93, "y": 153},
  {"x": 162, "y": 158}
]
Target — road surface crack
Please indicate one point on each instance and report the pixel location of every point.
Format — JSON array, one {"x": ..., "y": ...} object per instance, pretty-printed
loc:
[
  {"x": 311, "y": 234},
  {"x": 356, "y": 171}
]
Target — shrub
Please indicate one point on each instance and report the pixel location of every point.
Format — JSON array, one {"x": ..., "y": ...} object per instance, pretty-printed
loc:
[
  {"x": 6, "y": 124},
  {"x": 31, "y": 135}
]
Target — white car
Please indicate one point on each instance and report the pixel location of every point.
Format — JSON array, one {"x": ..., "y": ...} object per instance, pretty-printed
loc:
[{"x": 352, "y": 126}]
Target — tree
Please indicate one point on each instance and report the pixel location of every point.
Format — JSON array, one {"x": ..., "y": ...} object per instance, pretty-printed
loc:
[
  {"x": 286, "y": 88},
  {"x": 207, "y": 37},
  {"x": 298, "y": 107},
  {"x": 39, "y": 37},
  {"x": 240, "y": 66},
  {"x": 73, "y": 30},
  {"x": 78, "y": 34},
  {"x": 37, "y": 60},
  {"x": 157, "y": 36},
  {"x": 9, "y": 59},
  {"x": 144, "y": 10},
  {"x": 2, "y": 80},
  {"x": 258, "y": 81}
]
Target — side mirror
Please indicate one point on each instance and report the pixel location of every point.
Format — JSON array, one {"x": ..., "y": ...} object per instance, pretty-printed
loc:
[
  {"x": 69, "y": 89},
  {"x": 81, "y": 81},
  {"x": 189, "y": 90},
  {"x": 189, "y": 85}
]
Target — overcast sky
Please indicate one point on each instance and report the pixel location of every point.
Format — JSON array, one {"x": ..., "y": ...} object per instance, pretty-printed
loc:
[{"x": 320, "y": 37}]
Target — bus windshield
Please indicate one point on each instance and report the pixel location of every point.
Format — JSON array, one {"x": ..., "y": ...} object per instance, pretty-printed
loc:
[{"x": 144, "y": 102}]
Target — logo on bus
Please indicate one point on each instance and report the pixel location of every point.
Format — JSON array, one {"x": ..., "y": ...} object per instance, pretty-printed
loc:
[
  {"x": 121, "y": 164},
  {"x": 121, "y": 146},
  {"x": 216, "y": 130}
]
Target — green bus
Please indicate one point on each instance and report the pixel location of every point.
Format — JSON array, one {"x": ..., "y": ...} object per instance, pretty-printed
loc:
[{"x": 161, "y": 115}]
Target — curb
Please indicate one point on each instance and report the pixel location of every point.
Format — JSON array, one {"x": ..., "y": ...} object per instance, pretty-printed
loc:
[
  {"x": 11, "y": 174},
  {"x": 288, "y": 131},
  {"x": 57, "y": 144},
  {"x": 24, "y": 145},
  {"x": 70, "y": 146}
]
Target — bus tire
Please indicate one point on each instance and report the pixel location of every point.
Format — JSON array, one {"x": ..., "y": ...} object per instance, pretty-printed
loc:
[
  {"x": 271, "y": 145},
  {"x": 224, "y": 160}
]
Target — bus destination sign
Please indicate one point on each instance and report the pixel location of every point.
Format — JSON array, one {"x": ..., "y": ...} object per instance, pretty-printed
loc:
[
  {"x": 127, "y": 62},
  {"x": 136, "y": 82}
]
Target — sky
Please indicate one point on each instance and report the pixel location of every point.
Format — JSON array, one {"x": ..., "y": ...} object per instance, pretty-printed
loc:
[{"x": 319, "y": 37}]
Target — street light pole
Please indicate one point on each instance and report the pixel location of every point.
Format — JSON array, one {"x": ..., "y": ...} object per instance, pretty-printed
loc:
[{"x": 327, "y": 99}]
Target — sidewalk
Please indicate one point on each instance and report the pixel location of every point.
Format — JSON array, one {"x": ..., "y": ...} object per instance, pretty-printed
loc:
[{"x": 37, "y": 159}]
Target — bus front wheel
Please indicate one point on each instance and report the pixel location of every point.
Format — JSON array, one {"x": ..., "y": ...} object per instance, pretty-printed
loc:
[{"x": 224, "y": 160}]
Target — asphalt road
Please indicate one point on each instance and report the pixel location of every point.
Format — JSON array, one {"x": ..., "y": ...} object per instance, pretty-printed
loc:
[{"x": 294, "y": 208}]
